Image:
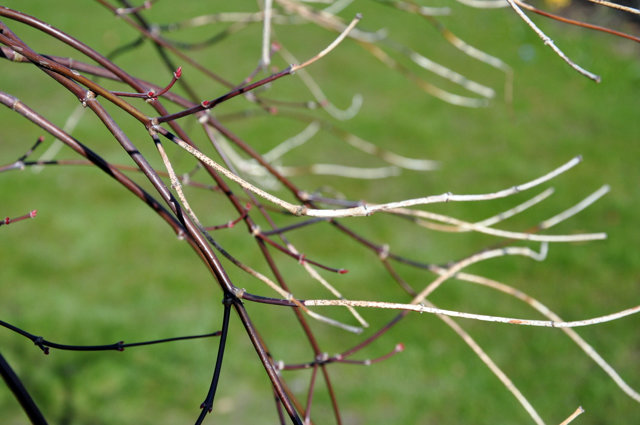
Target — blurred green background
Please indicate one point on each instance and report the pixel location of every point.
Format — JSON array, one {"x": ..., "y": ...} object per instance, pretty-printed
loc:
[{"x": 96, "y": 266}]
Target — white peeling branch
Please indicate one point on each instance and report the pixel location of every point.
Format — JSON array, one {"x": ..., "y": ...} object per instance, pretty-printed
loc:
[
  {"x": 368, "y": 209},
  {"x": 549, "y": 42},
  {"x": 481, "y": 317}
]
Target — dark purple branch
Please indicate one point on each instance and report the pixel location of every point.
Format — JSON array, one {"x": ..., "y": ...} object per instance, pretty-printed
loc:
[
  {"x": 302, "y": 258},
  {"x": 20, "y": 392},
  {"x": 281, "y": 230},
  {"x": 312, "y": 387},
  {"x": 259, "y": 346},
  {"x": 161, "y": 44},
  {"x": 207, "y": 404},
  {"x": 338, "y": 358},
  {"x": 208, "y": 104},
  {"x": 45, "y": 344},
  {"x": 21, "y": 108}
]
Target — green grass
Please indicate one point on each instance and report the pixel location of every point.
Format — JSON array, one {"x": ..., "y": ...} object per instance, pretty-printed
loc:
[{"x": 96, "y": 266}]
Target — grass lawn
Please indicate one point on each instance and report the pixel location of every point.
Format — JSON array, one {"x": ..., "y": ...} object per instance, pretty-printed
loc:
[{"x": 97, "y": 266}]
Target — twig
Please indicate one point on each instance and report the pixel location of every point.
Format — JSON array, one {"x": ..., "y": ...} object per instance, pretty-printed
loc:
[
  {"x": 549, "y": 42},
  {"x": 129, "y": 10},
  {"x": 45, "y": 344},
  {"x": 493, "y": 367},
  {"x": 367, "y": 209},
  {"x": 9, "y": 220},
  {"x": 266, "y": 34},
  {"x": 207, "y": 404},
  {"x": 543, "y": 309},
  {"x": 462, "y": 226},
  {"x": 617, "y": 6},
  {"x": 577, "y": 23},
  {"x": 20, "y": 392},
  {"x": 574, "y": 415},
  {"x": 473, "y": 316},
  {"x": 318, "y": 94},
  {"x": 330, "y": 47}
]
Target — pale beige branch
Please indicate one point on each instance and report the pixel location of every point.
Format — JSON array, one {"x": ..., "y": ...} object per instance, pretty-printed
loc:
[
  {"x": 480, "y": 317},
  {"x": 368, "y": 209},
  {"x": 292, "y": 143},
  {"x": 337, "y": 6},
  {"x": 517, "y": 209},
  {"x": 175, "y": 184},
  {"x": 266, "y": 34},
  {"x": 544, "y": 310},
  {"x": 54, "y": 148},
  {"x": 341, "y": 171},
  {"x": 515, "y": 5},
  {"x": 330, "y": 47},
  {"x": 576, "y": 208},
  {"x": 493, "y": 367},
  {"x": 391, "y": 157},
  {"x": 315, "y": 275},
  {"x": 574, "y": 415},
  {"x": 318, "y": 94},
  {"x": 463, "y": 226},
  {"x": 617, "y": 6},
  {"x": 485, "y": 4}
]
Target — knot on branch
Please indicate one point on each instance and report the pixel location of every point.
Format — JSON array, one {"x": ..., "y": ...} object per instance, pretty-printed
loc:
[
  {"x": 383, "y": 252},
  {"x": 39, "y": 342},
  {"x": 322, "y": 358}
]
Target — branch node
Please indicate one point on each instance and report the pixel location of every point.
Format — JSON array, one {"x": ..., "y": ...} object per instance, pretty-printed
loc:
[
  {"x": 303, "y": 195},
  {"x": 39, "y": 342},
  {"x": 228, "y": 299},
  {"x": 89, "y": 96},
  {"x": 322, "y": 358},
  {"x": 239, "y": 292},
  {"x": 383, "y": 253}
]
